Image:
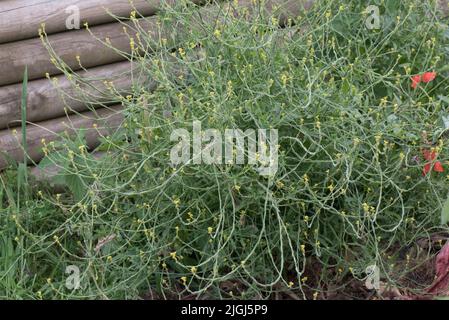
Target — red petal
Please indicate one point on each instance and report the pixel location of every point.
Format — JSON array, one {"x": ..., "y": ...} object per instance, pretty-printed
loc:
[
  {"x": 415, "y": 80},
  {"x": 438, "y": 167},
  {"x": 426, "y": 169},
  {"x": 429, "y": 76}
]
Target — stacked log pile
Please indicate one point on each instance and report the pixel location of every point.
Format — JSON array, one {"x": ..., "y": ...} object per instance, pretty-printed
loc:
[
  {"x": 85, "y": 51},
  {"x": 49, "y": 113}
]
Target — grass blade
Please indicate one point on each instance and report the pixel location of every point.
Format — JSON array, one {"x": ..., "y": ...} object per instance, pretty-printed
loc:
[{"x": 23, "y": 174}]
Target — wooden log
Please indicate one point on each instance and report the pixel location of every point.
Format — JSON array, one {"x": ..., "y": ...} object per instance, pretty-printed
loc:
[
  {"x": 100, "y": 122},
  {"x": 9, "y": 143},
  {"x": 443, "y": 6},
  {"x": 51, "y": 99},
  {"x": 21, "y": 20},
  {"x": 15, "y": 56}
]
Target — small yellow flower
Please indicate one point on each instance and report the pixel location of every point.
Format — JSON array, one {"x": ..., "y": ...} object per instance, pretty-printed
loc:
[
  {"x": 284, "y": 78},
  {"x": 176, "y": 201},
  {"x": 305, "y": 178},
  {"x": 182, "y": 52},
  {"x": 378, "y": 137}
]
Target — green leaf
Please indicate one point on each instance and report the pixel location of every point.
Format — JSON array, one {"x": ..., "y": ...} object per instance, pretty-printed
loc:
[
  {"x": 445, "y": 212},
  {"x": 345, "y": 87},
  {"x": 22, "y": 174},
  {"x": 76, "y": 186}
]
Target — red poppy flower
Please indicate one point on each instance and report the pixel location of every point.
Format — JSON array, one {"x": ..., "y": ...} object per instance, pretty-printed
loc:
[
  {"x": 426, "y": 77},
  {"x": 415, "y": 80},
  {"x": 430, "y": 157}
]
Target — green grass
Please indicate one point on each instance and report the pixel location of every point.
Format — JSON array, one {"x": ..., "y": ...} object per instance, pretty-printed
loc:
[
  {"x": 23, "y": 174},
  {"x": 348, "y": 194}
]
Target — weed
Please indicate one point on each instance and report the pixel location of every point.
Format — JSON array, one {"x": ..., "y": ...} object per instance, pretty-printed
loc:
[{"x": 349, "y": 192}]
